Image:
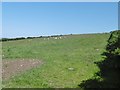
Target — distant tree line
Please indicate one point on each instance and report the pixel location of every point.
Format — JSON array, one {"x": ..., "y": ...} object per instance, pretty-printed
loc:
[
  {"x": 20, "y": 38},
  {"x": 11, "y": 39}
]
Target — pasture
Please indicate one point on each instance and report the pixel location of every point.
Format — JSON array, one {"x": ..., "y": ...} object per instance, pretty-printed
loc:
[{"x": 64, "y": 62}]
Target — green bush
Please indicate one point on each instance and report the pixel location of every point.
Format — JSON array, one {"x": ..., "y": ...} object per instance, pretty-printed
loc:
[
  {"x": 109, "y": 67},
  {"x": 113, "y": 45}
]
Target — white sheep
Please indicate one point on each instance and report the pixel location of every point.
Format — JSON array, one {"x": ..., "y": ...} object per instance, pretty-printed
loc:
[
  {"x": 60, "y": 37},
  {"x": 55, "y": 38}
]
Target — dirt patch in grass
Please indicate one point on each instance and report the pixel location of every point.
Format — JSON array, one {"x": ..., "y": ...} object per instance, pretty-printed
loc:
[{"x": 13, "y": 67}]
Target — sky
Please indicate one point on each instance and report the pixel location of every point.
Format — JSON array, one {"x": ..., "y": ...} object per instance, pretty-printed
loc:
[
  {"x": 119, "y": 15},
  {"x": 0, "y": 19},
  {"x": 24, "y": 19}
]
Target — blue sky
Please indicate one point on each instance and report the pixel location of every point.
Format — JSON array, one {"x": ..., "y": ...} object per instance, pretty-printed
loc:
[
  {"x": 0, "y": 19},
  {"x": 23, "y": 19}
]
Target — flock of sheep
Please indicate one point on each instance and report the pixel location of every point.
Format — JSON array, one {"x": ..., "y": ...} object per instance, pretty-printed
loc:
[{"x": 54, "y": 38}]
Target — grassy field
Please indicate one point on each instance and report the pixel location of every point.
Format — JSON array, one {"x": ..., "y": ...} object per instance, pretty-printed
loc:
[{"x": 66, "y": 61}]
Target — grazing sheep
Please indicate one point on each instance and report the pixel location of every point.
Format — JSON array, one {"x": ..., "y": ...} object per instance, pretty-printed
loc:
[
  {"x": 60, "y": 37},
  {"x": 55, "y": 38}
]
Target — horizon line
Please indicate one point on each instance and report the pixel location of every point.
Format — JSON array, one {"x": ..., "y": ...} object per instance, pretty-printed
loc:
[{"x": 56, "y": 35}]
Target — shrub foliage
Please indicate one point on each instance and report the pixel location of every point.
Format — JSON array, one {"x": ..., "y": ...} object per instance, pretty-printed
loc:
[
  {"x": 113, "y": 45},
  {"x": 109, "y": 67}
]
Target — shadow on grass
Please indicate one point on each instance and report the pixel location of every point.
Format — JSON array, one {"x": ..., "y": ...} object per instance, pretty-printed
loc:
[{"x": 108, "y": 76}]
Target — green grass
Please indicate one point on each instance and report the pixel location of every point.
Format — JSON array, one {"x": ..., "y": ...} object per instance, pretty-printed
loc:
[{"x": 74, "y": 51}]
